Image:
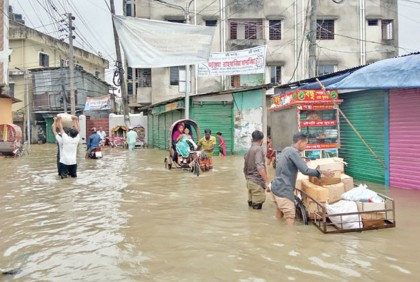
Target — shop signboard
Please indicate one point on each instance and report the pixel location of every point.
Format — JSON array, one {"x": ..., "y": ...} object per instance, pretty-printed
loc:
[{"x": 305, "y": 97}]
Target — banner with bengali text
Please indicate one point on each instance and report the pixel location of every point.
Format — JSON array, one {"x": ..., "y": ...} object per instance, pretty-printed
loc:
[
  {"x": 98, "y": 103},
  {"x": 247, "y": 61}
]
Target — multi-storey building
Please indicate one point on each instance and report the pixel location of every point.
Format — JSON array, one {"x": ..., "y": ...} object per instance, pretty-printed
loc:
[
  {"x": 348, "y": 34},
  {"x": 34, "y": 50}
]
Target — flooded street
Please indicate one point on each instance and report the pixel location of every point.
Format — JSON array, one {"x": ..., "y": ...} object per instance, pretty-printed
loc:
[{"x": 127, "y": 218}]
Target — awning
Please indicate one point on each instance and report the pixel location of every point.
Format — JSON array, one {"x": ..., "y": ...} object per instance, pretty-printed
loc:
[{"x": 401, "y": 72}]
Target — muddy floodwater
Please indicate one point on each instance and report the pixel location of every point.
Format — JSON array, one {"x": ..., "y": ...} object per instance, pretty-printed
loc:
[{"x": 127, "y": 218}]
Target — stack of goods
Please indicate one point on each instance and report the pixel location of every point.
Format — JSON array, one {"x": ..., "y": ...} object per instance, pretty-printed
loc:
[
  {"x": 369, "y": 204},
  {"x": 324, "y": 190},
  {"x": 337, "y": 195}
]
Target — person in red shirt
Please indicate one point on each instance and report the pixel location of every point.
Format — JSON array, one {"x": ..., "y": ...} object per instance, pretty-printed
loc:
[
  {"x": 222, "y": 145},
  {"x": 271, "y": 154}
]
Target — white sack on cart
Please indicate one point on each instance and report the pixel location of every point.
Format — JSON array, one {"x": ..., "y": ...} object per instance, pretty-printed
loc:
[
  {"x": 345, "y": 221},
  {"x": 361, "y": 193}
]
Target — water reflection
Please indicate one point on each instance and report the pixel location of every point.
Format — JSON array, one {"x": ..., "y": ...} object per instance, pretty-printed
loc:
[{"x": 127, "y": 218}]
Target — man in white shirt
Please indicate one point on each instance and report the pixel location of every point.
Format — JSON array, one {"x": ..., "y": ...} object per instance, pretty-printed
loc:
[
  {"x": 69, "y": 148},
  {"x": 102, "y": 133},
  {"x": 59, "y": 144}
]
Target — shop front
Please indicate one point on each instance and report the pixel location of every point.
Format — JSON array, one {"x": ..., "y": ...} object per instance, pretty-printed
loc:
[
  {"x": 313, "y": 112},
  {"x": 160, "y": 120},
  {"x": 404, "y": 133},
  {"x": 368, "y": 113}
]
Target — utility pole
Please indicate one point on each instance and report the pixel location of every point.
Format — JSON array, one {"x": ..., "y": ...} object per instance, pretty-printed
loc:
[
  {"x": 312, "y": 39},
  {"x": 187, "y": 68},
  {"x": 28, "y": 112},
  {"x": 124, "y": 95},
  {"x": 63, "y": 89},
  {"x": 186, "y": 11},
  {"x": 71, "y": 66}
]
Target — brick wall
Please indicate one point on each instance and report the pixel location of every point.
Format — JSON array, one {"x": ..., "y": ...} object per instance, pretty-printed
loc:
[{"x": 104, "y": 122}]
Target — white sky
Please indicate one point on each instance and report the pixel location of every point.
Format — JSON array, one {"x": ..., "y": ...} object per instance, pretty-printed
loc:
[{"x": 94, "y": 28}]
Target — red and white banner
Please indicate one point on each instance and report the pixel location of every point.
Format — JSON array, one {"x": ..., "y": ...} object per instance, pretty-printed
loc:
[
  {"x": 98, "y": 103},
  {"x": 247, "y": 61}
]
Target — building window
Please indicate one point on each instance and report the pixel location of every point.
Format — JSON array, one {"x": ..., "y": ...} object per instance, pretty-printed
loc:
[
  {"x": 130, "y": 88},
  {"x": 246, "y": 29},
  {"x": 387, "y": 29},
  {"x": 325, "y": 69},
  {"x": 176, "y": 21},
  {"x": 275, "y": 30},
  {"x": 211, "y": 23},
  {"x": 275, "y": 76},
  {"x": 130, "y": 9},
  {"x": 144, "y": 77},
  {"x": 43, "y": 60},
  {"x": 174, "y": 75},
  {"x": 325, "y": 30},
  {"x": 11, "y": 89},
  {"x": 235, "y": 81},
  {"x": 372, "y": 22}
]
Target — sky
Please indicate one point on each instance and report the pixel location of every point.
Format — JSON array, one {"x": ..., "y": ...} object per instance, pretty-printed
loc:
[{"x": 94, "y": 27}]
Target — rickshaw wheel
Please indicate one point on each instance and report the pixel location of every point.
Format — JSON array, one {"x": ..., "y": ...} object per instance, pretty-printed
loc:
[
  {"x": 196, "y": 168},
  {"x": 301, "y": 213}
]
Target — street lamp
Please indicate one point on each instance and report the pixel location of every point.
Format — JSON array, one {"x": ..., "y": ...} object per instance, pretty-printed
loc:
[{"x": 186, "y": 11}]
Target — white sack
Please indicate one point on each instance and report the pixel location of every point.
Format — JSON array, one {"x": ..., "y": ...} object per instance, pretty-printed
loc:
[
  {"x": 345, "y": 221},
  {"x": 360, "y": 193}
]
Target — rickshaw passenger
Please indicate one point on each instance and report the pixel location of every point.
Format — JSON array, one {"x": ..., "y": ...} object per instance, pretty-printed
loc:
[
  {"x": 183, "y": 145},
  {"x": 175, "y": 136},
  {"x": 177, "y": 133}
]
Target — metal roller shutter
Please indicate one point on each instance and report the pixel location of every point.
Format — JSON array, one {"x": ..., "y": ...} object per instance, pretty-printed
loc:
[
  {"x": 367, "y": 111},
  {"x": 404, "y": 132},
  {"x": 218, "y": 117},
  {"x": 162, "y": 132}
]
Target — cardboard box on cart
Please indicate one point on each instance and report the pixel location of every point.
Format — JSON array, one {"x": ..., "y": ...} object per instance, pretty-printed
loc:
[
  {"x": 323, "y": 180},
  {"x": 348, "y": 182},
  {"x": 375, "y": 216}
]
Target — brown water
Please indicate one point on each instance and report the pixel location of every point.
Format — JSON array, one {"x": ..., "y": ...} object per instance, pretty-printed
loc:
[{"x": 127, "y": 218}]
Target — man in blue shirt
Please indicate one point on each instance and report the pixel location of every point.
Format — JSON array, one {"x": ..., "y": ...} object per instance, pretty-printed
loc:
[{"x": 93, "y": 142}]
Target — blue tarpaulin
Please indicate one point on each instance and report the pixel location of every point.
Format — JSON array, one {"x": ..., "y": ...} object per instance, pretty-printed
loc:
[
  {"x": 401, "y": 72},
  {"x": 325, "y": 82}
]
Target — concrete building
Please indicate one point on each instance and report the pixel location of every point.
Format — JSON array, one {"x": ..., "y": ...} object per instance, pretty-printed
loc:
[
  {"x": 349, "y": 33},
  {"x": 34, "y": 50},
  {"x": 4, "y": 47}
]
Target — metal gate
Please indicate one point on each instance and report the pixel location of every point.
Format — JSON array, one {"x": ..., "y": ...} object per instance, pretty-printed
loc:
[
  {"x": 217, "y": 116},
  {"x": 368, "y": 112},
  {"x": 404, "y": 133}
]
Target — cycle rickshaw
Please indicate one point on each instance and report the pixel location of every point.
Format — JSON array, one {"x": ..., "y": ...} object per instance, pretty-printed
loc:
[
  {"x": 11, "y": 140},
  {"x": 182, "y": 149}
]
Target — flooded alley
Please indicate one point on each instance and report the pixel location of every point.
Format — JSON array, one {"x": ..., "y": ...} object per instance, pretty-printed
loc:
[{"x": 127, "y": 218}]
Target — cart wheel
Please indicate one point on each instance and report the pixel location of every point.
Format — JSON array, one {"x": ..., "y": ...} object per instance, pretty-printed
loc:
[
  {"x": 196, "y": 168},
  {"x": 301, "y": 213}
]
